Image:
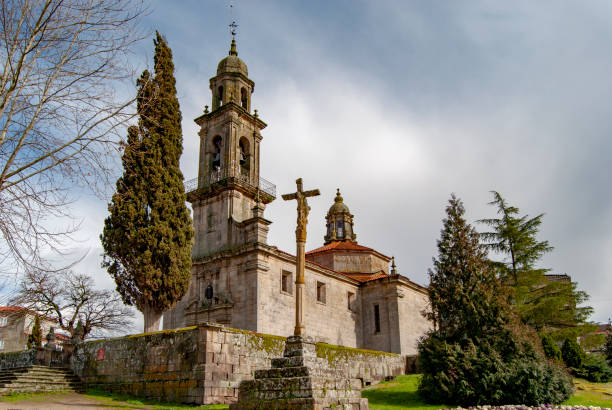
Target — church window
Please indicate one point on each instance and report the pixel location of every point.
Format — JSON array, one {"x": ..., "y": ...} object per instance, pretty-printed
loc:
[
  {"x": 286, "y": 282},
  {"x": 244, "y": 152},
  {"x": 1, "y": 344},
  {"x": 210, "y": 221},
  {"x": 339, "y": 229},
  {"x": 243, "y": 99},
  {"x": 220, "y": 96},
  {"x": 320, "y": 292},
  {"x": 216, "y": 162},
  {"x": 3, "y": 321},
  {"x": 350, "y": 299},
  {"x": 376, "y": 319}
]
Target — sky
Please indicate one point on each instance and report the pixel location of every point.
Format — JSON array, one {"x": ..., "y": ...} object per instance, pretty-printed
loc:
[{"x": 401, "y": 103}]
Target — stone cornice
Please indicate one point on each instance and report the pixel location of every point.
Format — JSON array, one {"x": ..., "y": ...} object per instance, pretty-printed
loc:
[{"x": 231, "y": 106}]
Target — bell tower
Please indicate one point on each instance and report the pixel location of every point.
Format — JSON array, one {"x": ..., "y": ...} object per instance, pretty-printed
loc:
[
  {"x": 228, "y": 186},
  {"x": 339, "y": 222}
]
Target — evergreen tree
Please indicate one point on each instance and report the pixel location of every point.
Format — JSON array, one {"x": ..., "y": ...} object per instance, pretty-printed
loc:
[
  {"x": 572, "y": 353},
  {"x": 474, "y": 355},
  {"x": 551, "y": 350},
  {"x": 541, "y": 303},
  {"x": 35, "y": 338},
  {"x": 147, "y": 237},
  {"x": 608, "y": 348}
]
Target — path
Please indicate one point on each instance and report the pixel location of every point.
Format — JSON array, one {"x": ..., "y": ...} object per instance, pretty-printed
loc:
[{"x": 66, "y": 401}]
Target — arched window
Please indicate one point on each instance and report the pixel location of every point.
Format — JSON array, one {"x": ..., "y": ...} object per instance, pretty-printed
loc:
[
  {"x": 243, "y": 99},
  {"x": 216, "y": 153},
  {"x": 244, "y": 152},
  {"x": 220, "y": 95},
  {"x": 339, "y": 228}
]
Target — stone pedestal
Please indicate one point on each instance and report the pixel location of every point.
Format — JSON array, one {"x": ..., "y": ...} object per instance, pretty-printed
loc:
[{"x": 300, "y": 380}]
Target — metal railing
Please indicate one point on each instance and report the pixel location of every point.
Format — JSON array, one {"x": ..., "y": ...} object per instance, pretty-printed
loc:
[{"x": 224, "y": 173}]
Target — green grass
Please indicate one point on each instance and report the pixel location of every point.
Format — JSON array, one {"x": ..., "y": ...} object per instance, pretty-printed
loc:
[
  {"x": 113, "y": 398},
  {"x": 591, "y": 394},
  {"x": 401, "y": 393}
]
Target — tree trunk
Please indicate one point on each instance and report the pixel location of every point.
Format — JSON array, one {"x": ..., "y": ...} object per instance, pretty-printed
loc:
[{"x": 152, "y": 319}]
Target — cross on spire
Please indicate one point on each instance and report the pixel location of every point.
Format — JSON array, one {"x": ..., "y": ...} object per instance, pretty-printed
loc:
[{"x": 233, "y": 26}]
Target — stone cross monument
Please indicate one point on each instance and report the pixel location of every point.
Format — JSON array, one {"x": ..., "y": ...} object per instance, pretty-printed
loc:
[{"x": 300, "y": 241}]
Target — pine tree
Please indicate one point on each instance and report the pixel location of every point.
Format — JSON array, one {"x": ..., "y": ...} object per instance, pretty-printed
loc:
[
  {"x": 147, "y": 237},
  {"x": 477, "y": 353},
  {"x": 543, "y": 304},
  {"x": 608, "y": 348},
  {"x": 463, "y": 288},
  {"x": 35, "y": 338}
]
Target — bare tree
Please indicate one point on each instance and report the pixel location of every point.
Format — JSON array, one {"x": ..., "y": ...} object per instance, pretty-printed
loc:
[
  {"x": 61, "y": 65},
  {"x": 70, "y": 297}
]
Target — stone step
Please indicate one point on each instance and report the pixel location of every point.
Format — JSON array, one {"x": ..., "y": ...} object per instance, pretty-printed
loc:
[
  {"x": 38, "y": 378},
  {"x": 299, "y": 387},
  {"x": 303, "y": 404},
  {"x": 38, "y": 369},
  {"x": 299, "y": 371},
  {"x": 298, "y": 361},
  {"x": 34, "y": 380}
]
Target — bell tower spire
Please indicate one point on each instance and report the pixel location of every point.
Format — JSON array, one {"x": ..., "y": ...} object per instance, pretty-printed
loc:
[{"x": 228, "y": 176}]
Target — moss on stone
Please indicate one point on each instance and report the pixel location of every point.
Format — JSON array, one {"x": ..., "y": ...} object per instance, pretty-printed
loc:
[
  {"x": 159, "y": 332},
  {"x": 334, "y": 353}
]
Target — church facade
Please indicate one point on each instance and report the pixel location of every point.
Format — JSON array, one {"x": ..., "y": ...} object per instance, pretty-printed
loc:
[{"x": 352, "y": 298}]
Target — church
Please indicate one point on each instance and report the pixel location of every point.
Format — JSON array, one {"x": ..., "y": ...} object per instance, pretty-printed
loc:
[{"x": 352, "y": 296}]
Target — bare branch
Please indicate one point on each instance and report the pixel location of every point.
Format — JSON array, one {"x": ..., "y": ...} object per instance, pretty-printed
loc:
[
  {"x": 69, "y": 298},
  {"x": 62, "y": 115}
]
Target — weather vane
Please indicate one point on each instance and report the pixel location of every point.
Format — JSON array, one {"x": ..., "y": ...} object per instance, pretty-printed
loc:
[{"x": 233, "y": 26}]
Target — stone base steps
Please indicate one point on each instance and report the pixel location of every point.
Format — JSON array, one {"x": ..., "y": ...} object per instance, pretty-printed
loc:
[
  {"x": 300, "y": 380},
  {"x": 38, "y": 379}
]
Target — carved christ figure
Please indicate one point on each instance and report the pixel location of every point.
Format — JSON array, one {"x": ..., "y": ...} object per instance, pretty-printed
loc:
[{"x": 302, "y": 209}]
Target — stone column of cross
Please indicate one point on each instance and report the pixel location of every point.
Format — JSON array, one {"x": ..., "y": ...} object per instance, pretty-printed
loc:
[{"x": 300, "y": 240}]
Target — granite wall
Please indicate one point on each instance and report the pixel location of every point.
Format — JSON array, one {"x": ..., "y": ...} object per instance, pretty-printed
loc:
[{"x": 205, "y": 364}]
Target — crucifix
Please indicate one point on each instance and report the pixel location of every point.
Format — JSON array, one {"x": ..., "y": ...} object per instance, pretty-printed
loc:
[{"x": 300, "y": 241}]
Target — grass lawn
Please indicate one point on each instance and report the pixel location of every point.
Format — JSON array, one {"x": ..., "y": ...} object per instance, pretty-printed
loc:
[{"x": 401, "y": 393}]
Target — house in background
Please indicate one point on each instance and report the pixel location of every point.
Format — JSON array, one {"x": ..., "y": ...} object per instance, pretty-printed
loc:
[{"x": 16, "y": 326}]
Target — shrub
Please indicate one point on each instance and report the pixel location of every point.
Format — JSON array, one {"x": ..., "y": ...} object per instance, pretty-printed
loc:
[
  {"x": 572, "y": 354},
  {"x": 551, "y": 350},
  {"x": 479, "y": 374},
  {"x": 595, "y": 369}
]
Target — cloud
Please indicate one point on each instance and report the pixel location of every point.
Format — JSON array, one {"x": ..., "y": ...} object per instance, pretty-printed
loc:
[{"x": 399, "y": 104}]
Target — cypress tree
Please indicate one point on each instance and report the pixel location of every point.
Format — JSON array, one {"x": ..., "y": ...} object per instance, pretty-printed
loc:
[
  {"x": 545, "y": 305},
  {"x": 148, "y": 235},
  {"x": 35, "y": 338},
  {"x": 477, "y": 353}
]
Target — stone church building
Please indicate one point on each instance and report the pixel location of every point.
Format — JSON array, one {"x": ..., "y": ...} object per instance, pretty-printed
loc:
[{"x": 238, "y": 279}]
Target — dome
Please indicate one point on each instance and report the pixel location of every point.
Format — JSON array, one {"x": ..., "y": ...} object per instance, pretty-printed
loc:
[
  {"x": 339, "y": 222},
  {"x": 232, "y": 64},
  {"x": 338, "y": 207}
]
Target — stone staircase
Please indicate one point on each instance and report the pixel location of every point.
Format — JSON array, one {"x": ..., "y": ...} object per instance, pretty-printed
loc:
[
  {"x": 38, "y": 379},
  {"x": 300, "y": 381}
]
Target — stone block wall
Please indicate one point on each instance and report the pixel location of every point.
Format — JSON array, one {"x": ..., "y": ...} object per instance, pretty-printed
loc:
[
  {"x": 205, "y": 364},
  {"x": 162, "y": 365},
  {"x": 12, "y": 360}
]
